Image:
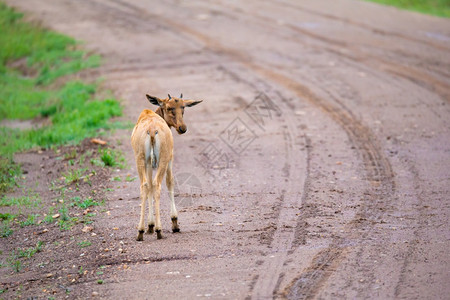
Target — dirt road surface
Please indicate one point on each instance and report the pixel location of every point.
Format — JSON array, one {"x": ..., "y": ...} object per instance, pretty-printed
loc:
[{"x": 317, "y": 165}]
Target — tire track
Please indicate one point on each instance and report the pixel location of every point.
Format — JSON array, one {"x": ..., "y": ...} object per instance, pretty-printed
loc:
[
  {"x": 266, "y": 284},
  {"x": 377, "y": 167},
  {"x": 368, "y": 27},
  {"x": 412, "y": 74}
]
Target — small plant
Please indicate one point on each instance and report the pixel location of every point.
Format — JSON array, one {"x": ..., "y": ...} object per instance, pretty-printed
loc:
[
  {"x": 71, "y": 155},
  {"x": 97, "y": 162},
  {"x": 5, "y": 230},
  {"x": 65, "y": 222},
  {"x": 100, "y": 281},
  {"x": 88, "y": 202},
  {"x": 80, "y": 270},
  {"x": 14, "y": 262},
  {"x": 117, "y": 178},
  {"x": 29, "y": 252},
  {"x": 130, "y": 178},
  {"x": 87, "y": 219},
  {"x": 31, "y": 220},
  {"x": 27, "y": 201},
  {"x": 84, "y": 244},
  {"x": 112, "y": 158},
  {"x": 49, "y": 217},
  {"x": 74, "y": 175}
]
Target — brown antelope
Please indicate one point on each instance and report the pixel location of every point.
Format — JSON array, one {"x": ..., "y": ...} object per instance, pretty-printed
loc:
[{"x": 152, "y": 144}]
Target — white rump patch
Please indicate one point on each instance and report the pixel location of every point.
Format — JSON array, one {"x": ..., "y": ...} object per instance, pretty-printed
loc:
[{"x": 152, "y": 152}]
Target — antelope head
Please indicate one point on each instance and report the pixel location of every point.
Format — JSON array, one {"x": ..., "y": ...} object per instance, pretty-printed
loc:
[{"x": 171, "y": 110}]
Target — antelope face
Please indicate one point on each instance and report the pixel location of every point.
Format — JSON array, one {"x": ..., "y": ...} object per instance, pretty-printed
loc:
[{"x": 171, "y": 110}]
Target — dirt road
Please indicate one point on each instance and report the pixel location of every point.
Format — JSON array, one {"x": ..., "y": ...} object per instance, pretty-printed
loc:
[{"x": 317, "y": 165}]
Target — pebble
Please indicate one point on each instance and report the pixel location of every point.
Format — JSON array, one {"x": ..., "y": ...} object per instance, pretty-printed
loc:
[{"x": 87, "y": 228}]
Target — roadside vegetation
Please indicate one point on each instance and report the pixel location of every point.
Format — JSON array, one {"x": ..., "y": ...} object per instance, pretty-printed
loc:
[
  {"x": 45, "y": 110},
  {"x": 60, "y": 112},
  {"x": 440, "y": 8}
]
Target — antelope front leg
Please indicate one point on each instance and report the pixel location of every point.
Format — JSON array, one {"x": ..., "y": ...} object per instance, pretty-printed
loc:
[{"x": 173, "y": 209}]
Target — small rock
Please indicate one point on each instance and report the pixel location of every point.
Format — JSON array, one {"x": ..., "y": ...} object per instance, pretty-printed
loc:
[
  {"x": 49, "y": 275},
  {"x": 87, "y": 228},
  {"x": 94, "y": 294},
  {"x": 98, "y": 141},
  {"x": 55, "y": 216}
]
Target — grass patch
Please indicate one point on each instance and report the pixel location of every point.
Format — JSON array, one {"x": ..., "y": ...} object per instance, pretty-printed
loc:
[
  {"x": 27, "y": 201},
  {"x": 112, "y": 158},
  {"x": 29, "y": 252},
  {"x": 83, "y": 203},
  {"x": 440, "y": 8},
  {"x": 30, "y": 220},
  {"x": 5, "y": 229},
  {"x": 31, "y": 59},
  {"x": 84, "y": 244},
  {"x": 129, "y": 178},
  {"x": 74, "y": 175},
  {"x": 14, "y": 258}
]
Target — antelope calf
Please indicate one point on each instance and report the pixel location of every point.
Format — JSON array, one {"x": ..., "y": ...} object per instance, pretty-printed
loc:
[{"x": 152, "y": 144}]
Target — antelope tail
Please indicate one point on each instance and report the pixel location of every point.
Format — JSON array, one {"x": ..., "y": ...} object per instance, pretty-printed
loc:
[{"x": 152, "y": 146}]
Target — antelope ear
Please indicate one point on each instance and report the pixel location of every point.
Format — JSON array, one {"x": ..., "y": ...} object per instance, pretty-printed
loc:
[
  {"x": 154, "y": 100},
  {"x": 190, "y": 103}
]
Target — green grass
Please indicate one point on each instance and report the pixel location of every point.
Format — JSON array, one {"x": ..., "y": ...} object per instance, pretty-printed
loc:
[
  {"x": 83, "y": 203},
  {"x": 440, "y": 8},
  {"x": 30, "y": 220},
  {"x": 29, "y": 252},
  {"x": 31, "y": 59},
  {"x": 28, "y": 201},
  {"x": 74, "y": 175},
  {"x": 14, "y": 258},
  {"x": 112, "y": 158},
  {"x": 84, "y": 244},
  {"x": 5, "y": 228}
]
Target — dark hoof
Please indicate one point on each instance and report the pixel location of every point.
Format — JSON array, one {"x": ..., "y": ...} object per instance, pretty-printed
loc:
[
  {"x": 175, "y": 227},
  {"x": 151, "y": 229},
  {"x": 158, "y": 234},
  {"x": 140, "y": 236}
]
